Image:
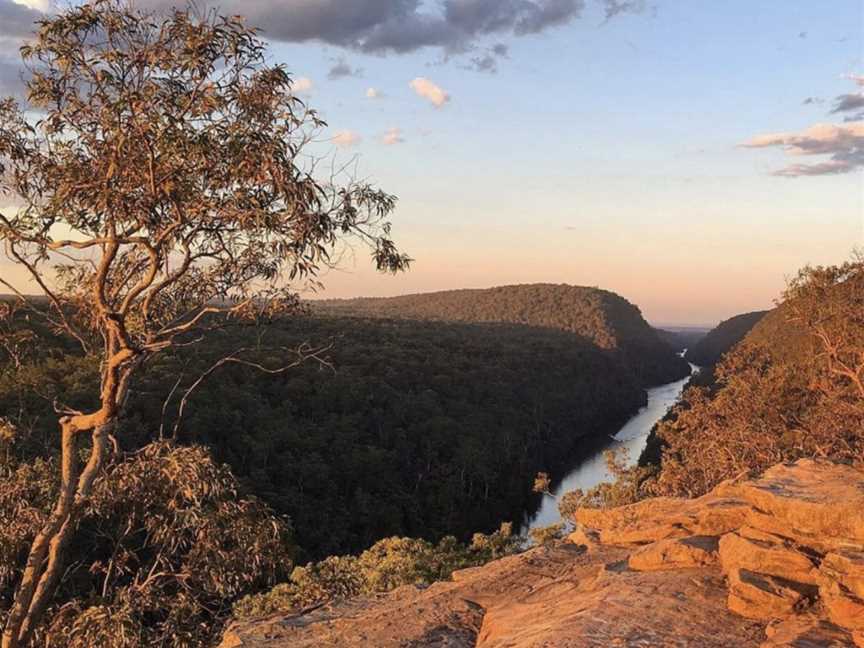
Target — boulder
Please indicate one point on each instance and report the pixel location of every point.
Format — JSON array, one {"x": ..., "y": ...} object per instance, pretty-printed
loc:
[
  {"x": 806, "y": 631},
  {"x": 845, "y": 566},
  {"x": 587, "y": 538},
  {"x": 762, "y": 556},
  {"x": 678, "y": 553},
  {"x": 640, "y": 523},
  {"x": 809, "y": 499},
  {"x": 764, "y": 597},
  {"x": 844, "y": 608},
  {"x": 663, "y": 518},
  {"x": 716, "y": 515}
]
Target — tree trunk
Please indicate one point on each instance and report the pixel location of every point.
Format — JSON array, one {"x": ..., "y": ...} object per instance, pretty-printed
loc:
[{"x": 47, "y": 552}]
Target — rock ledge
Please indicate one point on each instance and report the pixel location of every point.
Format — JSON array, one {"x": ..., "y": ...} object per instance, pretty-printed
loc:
[{"x": 774, "y": 561}]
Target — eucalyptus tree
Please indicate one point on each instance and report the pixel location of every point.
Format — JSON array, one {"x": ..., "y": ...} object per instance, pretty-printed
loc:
[{"x": 163, "y": 186}]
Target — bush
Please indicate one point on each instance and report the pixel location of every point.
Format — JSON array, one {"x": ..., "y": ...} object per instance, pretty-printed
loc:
[
  {"x": 171, "y": 543},
  {"x": 627, "y": 488},
  {"x": 547, "y": 535},
  {"x": 388, "y": 564}
]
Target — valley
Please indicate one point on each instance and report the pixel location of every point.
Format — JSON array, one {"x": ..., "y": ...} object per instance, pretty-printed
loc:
[{"x": 529, "y": 433}]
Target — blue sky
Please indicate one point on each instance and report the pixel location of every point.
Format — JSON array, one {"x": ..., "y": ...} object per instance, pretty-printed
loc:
[{"x": 601, "y": 152}]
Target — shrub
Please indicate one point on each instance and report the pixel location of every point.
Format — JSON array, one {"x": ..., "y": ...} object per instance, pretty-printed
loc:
[
  {"x": 388, "y": 564},
  {"x": 171, "y": 543},
  {"x": 548, "y": 534},
  {"x": 627, "y": 488}
]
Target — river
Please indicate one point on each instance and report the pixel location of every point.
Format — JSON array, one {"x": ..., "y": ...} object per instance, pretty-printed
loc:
[{"x": 593, "y": 470}]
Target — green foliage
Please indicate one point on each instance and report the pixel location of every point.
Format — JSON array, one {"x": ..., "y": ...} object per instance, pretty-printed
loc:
[
  {"x": 424, "y": 429},
  {"x": 548, "y": 534},
  {"x": 495, "y": 545},
  {"x": 388, "y": 564},
  {"x": 627, "y": 487}
]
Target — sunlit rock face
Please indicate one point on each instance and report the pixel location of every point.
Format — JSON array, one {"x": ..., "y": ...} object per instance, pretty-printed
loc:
[{"x": 772, "y": 561}]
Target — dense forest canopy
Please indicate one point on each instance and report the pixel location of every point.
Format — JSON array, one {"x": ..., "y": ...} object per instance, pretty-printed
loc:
[
  {"x": 419, "y": 428},
  {"x": 604, "y": 318},
  {"x": 708, "y": 350}
]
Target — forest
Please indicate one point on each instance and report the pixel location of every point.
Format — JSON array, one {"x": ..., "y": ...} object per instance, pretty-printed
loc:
[
  {"x": 420, "y": 429},
  {"x": 603, "y": 317},
  {"x": 414, "y": 428}
]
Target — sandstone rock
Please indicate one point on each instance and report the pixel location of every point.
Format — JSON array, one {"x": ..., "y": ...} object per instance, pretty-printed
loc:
[
  {"x": 760, "y": 596},
  {"x": 806, "y": 631},
  {"x": 764, "y": 557},
  {"x": 462, "y": 575},
  {"x": 791, "y": 544},
  {"x": 584, "y": 537},
  {"x": 844, "y": 608},
  {"x": 405, "y": 617},
  {"x": 717, "y": 515},
  {"x": 845, "y": 566},
  {"x": 679, "y": 553},
  {"x": 684, "y": 608},
  {"x": 666, "y": 517},
  {"x": 752, "y": 533},
  {"x": 812, "y": 499},
  {"x": 640, "y": 523}
]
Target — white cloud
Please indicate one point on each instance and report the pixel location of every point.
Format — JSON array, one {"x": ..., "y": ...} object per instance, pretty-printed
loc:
[
  {"x": 346, "y": 139},
  {"x": 38, "y": 5},
  {"x": 393, "y": 136},
  {"x": 374, "y": 93},
  {"x": 857, "y": 78},
  {"x": 843, "y": 144},
  {"x": 303, "y": 84},
  {"x": 428, "y": 90}
]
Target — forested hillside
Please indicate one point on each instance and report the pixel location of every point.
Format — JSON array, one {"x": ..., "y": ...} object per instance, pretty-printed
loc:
[
  {"x": 419, "y": 428},
  {"x": 707, "y": 351},
  {"x": 600, "y": 316},
  {"x": 793, "y": 388}
]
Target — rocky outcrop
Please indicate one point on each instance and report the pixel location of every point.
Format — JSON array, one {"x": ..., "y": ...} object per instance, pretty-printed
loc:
[
  {"x": 774, "y": 561},
  {"x": 790, "y": 543}
]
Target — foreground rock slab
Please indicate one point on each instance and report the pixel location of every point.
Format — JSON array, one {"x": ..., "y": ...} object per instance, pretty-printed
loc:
[{"x": 771, "y": 562}]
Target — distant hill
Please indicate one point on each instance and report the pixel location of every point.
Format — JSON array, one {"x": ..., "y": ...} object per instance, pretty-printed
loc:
[
  {"x": 707, "y": 351},
  {"x": 682, "y": 338},
  {"x": 602, "y": 317}
]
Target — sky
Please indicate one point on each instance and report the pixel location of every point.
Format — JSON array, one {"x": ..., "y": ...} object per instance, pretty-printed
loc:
[{"x": 690, "y": 155}]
